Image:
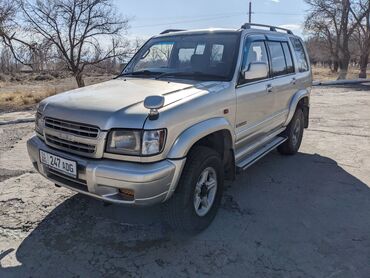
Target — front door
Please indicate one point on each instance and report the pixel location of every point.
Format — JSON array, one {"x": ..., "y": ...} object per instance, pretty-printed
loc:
[{"x": 255, "y": 100}]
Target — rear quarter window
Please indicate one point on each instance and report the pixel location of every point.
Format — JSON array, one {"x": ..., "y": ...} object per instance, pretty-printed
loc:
[
  {"x": 288, "y": 57},
  {"x": 302, "y": 61}
]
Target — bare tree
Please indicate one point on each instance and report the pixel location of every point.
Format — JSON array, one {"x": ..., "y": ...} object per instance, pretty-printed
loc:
[
  {"x": 21, "y": 50},
  {"x": 78, "y": 30},
  {"x": 323, "y": 31},
  {"x": 362, "y": 36},
  {"x": 336, "y": 18}
]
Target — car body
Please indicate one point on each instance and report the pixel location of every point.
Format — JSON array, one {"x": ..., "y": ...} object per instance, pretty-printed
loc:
[{"x": 240, "y": 110}]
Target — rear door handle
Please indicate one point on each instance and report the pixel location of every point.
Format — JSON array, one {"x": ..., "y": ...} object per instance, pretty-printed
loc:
[
  {"x": 293, "y": 81},
  {"x": 269, "y": 88}
]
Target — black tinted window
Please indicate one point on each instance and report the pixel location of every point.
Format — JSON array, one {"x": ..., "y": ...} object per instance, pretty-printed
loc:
[
  {"x": 300, "y": 55},
  {"x": 288, "y": 57},
  {"x": 278, "y": 65}
]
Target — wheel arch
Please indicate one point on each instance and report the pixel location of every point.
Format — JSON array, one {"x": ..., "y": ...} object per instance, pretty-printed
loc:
[
  {"x": 200, "y": 131},
  {"x": 302, "y": 100}
]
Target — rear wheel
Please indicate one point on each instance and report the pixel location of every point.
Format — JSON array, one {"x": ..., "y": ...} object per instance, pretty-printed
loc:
[
  {"x": 198, "y": 195},
  {"x": 294, "y": 132}
]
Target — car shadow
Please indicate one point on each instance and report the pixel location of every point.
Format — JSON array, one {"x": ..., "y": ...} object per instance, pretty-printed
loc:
[{"x": 295, "y": 216}]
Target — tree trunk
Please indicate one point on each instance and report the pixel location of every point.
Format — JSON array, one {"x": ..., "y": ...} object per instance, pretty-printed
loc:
[
  {"x": 79, "y": 79},
  {"x": 343, "y": 68},
  {"x": 335, "y": 67},
  {"x": 344, "y": 59},
  {"x": 364, "y": 60}
]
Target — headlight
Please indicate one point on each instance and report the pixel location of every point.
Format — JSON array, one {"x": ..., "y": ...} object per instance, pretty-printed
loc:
[
  {"x": 136, "y": 142},
  {"x": 124, "y": 142},
  {"x": 39, "y": 123}
]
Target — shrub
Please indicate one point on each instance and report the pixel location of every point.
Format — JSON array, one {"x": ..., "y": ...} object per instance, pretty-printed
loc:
[{"x": 43, "y": 77}]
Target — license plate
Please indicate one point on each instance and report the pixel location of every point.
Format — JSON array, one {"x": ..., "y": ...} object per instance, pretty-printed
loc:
[{"x": 59, "y": 164}]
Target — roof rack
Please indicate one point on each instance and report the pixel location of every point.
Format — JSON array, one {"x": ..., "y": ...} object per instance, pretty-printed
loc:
[
  {"x": 171, "y": 31},
  {"x": 272, "y": 28}
]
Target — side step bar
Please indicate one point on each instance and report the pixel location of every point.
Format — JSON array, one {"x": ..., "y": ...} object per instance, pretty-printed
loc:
[{"x": 257, "y": 155}]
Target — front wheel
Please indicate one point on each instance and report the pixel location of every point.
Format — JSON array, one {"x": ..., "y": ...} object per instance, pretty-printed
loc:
[
  {"x": 294, "y": 132},
  {"x": 198, "y": 195}
]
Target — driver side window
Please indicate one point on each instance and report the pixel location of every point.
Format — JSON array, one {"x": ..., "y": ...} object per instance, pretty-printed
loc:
[{"x": 254, "y": 52}]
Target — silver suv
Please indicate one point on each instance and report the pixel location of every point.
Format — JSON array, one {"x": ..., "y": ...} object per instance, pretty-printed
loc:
[{"x": 190, "y": 109}]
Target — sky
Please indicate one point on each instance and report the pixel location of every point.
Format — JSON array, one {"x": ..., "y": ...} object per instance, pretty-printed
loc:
[{"x": 150, "y": 17}]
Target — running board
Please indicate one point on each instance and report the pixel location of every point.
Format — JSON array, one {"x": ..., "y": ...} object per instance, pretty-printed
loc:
[{"x": 257, "y": 155}]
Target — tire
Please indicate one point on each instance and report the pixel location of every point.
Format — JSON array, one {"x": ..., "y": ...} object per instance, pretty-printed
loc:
[
  {"x": 294, "y": 132},
  {"x": 179, "y": 212}
]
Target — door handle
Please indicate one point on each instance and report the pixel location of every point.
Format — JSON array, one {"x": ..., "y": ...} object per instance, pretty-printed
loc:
[
  {"x": 293, "y": 81},
  {"x": 269, "y": 88}
]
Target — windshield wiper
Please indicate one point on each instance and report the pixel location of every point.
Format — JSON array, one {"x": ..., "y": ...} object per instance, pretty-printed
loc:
[
  {"x": 140, "y": 72},
  {"x": 190, "y": 73}
]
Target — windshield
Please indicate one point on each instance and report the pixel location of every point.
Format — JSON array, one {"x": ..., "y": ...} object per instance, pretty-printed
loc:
[{"x": 210, "y": 56}]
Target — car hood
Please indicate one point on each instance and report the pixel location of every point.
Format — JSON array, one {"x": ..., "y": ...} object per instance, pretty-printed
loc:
[{"x": 117, "y": 103}]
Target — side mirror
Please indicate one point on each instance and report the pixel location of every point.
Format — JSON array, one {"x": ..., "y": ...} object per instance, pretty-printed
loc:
[
  {"x": 154, "y": 103},
  {"x": 258, "y": 70}
]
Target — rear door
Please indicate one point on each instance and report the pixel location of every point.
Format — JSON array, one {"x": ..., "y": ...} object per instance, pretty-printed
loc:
[
  {"x": 283, "y": 73},
  {"x": 254, "y": 98}
]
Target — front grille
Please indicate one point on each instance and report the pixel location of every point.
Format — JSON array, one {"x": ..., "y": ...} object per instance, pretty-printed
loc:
[
  {"x": 73, "y": 128},
  {"x": 76, "y": 138},
  {"x": 73, "y": 146}
]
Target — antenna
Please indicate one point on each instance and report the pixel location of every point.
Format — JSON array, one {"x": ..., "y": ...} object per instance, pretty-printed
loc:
[{"x": 250, "y": 11}]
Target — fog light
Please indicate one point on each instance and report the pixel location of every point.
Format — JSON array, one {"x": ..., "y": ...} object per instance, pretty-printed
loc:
[{"x": 127, "y": 194}]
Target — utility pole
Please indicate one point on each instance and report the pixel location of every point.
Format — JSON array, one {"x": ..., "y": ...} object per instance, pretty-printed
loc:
[{"x": 250, "y": 11}]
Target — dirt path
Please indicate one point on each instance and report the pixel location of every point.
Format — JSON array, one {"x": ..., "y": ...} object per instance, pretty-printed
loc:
[{"x": 301, "y": 216}]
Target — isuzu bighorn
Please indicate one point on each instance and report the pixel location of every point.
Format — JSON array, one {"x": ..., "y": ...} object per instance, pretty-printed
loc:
[{"x": 190, "y": 109}]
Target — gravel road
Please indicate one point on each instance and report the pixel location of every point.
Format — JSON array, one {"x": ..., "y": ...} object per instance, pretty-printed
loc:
[{"x": 302, "y": 216}]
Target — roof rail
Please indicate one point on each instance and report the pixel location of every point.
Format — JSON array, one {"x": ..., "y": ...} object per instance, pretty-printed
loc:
[
  {"x": 171, "y": 31},
  {"x": 272, "y": 28}
]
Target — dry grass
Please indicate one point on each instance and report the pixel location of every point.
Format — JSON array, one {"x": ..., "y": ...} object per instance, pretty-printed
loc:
[
  {"x": 325, "y": 74},
  {"x": 19, "y": 99},
  {"x": 18, "y": 95}
]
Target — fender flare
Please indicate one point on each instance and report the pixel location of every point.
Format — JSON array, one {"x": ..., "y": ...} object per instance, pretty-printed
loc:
[
  {"x": 190, "y": 136},
  {"x": 294, "y": 102}
]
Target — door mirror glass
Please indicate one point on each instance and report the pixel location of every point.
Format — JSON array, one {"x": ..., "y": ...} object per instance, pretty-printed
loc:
[{"x": 256, "y": 71}]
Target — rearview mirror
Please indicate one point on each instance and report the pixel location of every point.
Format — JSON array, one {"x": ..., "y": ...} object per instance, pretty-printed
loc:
[{"x": 258, "y": 70}]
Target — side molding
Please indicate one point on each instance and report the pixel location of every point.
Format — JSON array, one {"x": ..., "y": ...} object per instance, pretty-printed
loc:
[
  {"x": 294, "y": 102},
  {"x": 196, "y": 132}
]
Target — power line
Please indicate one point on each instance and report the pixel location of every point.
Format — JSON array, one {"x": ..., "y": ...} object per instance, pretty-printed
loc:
[
  {"x": 273, "y": 13},
  {"x": 185, "y": 21},
  {"x": 211, "y": 18},
  {"x": 185, "y": 17}
]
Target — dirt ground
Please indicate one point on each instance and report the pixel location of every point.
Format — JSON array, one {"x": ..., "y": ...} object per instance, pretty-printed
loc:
[{"x": 306, "y": 215}]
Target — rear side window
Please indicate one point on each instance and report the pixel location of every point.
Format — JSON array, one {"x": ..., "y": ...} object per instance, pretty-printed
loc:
[
  {"x": 278, "y": 64},
  {"x": 300, "y": 55},
  {"x": 288, "y": 57}
]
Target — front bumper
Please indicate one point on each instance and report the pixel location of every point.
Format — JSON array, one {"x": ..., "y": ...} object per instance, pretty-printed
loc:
[{"x": 151, "y": 182}]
